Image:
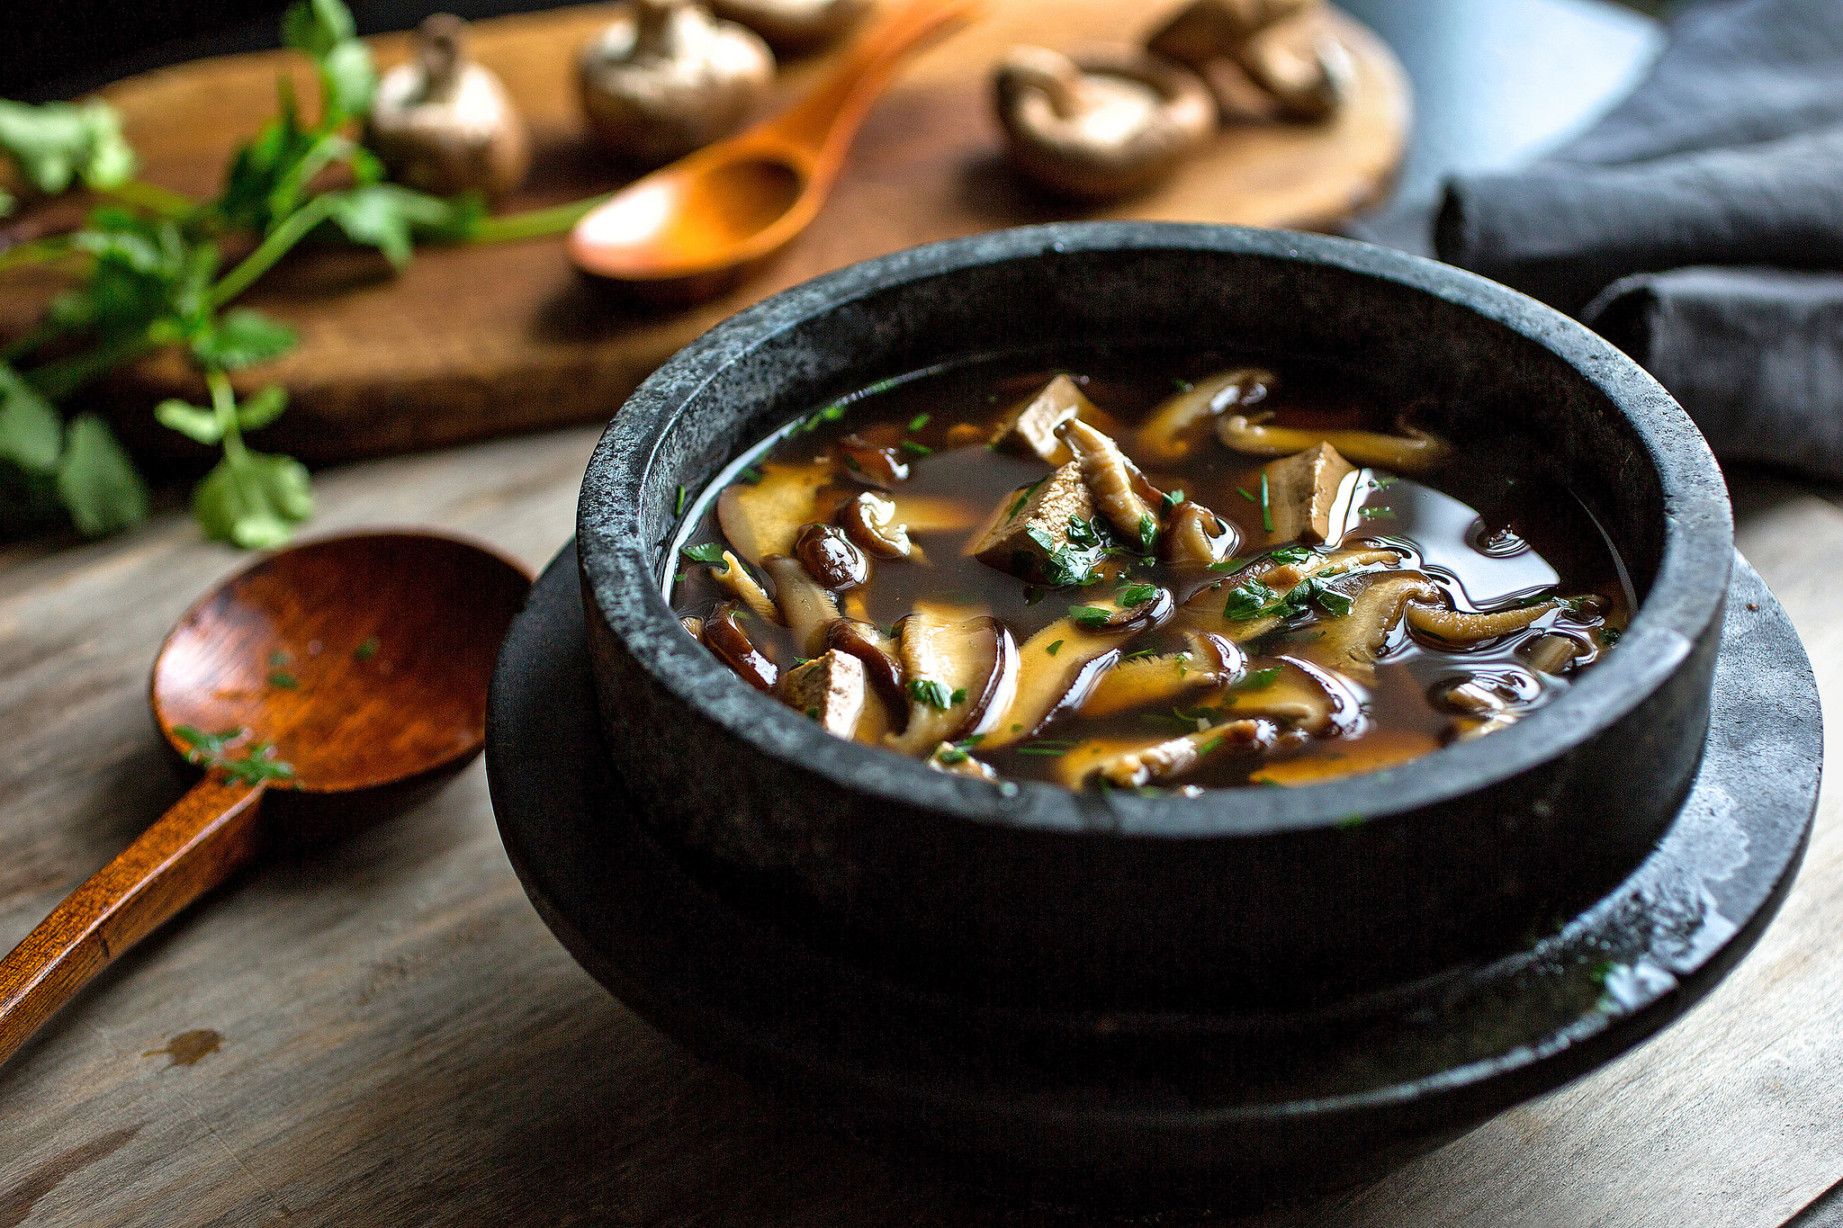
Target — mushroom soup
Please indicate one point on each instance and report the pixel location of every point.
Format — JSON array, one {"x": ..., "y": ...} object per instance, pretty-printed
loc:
[{"x": 1121, "y": 576}]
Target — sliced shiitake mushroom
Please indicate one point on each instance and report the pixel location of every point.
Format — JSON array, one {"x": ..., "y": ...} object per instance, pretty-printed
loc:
[
  {"x": 1136, "y": 765},
  {"x": 1142, "y": 682},
  {"x": 1351, "y": 642},
  {"x": 868, "y": 462},
  {"x": 1458, "y": 627},
  {"x": 1146, "y": 614},
  {"x": 1169, "y": 435},
  {"x": 1113, "y": 481},
  {"x": 1194, "y": 536},
  {"x": 830, "y": 558},
  {"x": 1413, "y": 451},
  {"x": 878, "y": 652},
  {"x": 694, "y": 627},
  {"x": 870, "y": 520},
  {"x": 724, "y": 635},
  {"x": 1331, "y": 760},
  {"x": 1480, "y": 709},
  {"x": 1552, "y": 654},
  {"x": 959, "y": 668},
  {"x": 732, "y": 575},
  {"x": 807, "y": 606},
  {"x": 957, "y": 762},
  {"x": 1218, "y": 607},
  {"x": 763, "y": 518},
  {"x": 1303, "y": 696},
  {"x": 1057, "y": 667}
]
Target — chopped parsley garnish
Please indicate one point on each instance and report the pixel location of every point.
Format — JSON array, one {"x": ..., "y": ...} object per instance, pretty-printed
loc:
[
  {"x": 934, "y": 694},
  {"x": 1244, "y": 494},
  {"x": 813, "y": 713},
  {"x": 1209, "y": 745},
  {"x": 750, "y": 474},
  {"x": 283, "y": 679},
  {"x": 1376, "y": 513},
  {"x": 1255, "y": 679},
  {"x": 1083, "y": 532},
  {"x": 919, "y": 421},
  {"x": 1610, "y": 634},
  {"x": 705, "y": 552},
  {"x": 1047, "y": 746},
  {"x": 257, "y": 765},
  {"x": 1384, "y": 481},
  {"x": 916, "y": 449},
  {"x": 1143, "y": 652},
  {"x": 951, "y": 755},
  {"x": 832, "y": 412},
  {"x": 366, "y": 650},
  {"x": 1291, "y": 554},
  {"x": 1138, "y": 594},
  {"x": 1148, "y": 532},
  {"x": 1172, "y": 499},
  {"x": 678, "y": 505},
  {"x": 1182, "y": 385},
  {"x": 1353, "y": 819},
  {"x": 1023, "y": 497},
  {"x": 1090, "y": 616},
  {"x": 1266, "y": 504},
  {"x": 1248, "y": 600},
  {"x": 1054, "y": 647}
]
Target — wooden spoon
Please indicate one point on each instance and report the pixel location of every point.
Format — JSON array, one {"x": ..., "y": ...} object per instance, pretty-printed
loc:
[
  {"x": 688, "y": 230},
  {"x": 337, "y": 667}
]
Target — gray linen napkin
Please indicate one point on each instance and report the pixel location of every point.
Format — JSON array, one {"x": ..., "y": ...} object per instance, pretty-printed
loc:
[{"x": 1691, "y": 223}]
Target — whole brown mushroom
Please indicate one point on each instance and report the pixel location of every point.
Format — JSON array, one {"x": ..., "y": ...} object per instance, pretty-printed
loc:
[
  {"x": 1104, "y": 123},
  {"x": 793, "y": 27},
  {"x": 1279, "y": 47},
  {"x": 666, "y": 77},
  {"x": 444, "y": 124}
]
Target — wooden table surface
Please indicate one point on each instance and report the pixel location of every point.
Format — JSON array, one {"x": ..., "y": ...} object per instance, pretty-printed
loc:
[{"x": 383, "y": 1032}]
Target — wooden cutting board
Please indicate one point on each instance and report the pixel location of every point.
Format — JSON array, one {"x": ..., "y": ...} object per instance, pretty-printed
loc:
[{"x": 471, "y": 342}]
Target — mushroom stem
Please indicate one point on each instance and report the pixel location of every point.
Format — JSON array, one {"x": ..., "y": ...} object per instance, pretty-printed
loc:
[
  {"x": 653, "y": 27},
  {"x": 1553, "y": 653},
  {"x": 442, "y": 49},
  {"x": 1059, "y": 78},
  {"x": 1459, "y": 628},
  {"x": 1413, "y": 451}
]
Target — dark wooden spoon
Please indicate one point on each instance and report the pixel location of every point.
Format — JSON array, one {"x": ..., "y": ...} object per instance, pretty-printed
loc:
[{"x": 346, "y": 666}]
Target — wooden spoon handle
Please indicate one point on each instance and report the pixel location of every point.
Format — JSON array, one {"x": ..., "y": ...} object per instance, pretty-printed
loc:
[
  {"x": 829, "y": 117},
  {"x": 209, "y": 834}
]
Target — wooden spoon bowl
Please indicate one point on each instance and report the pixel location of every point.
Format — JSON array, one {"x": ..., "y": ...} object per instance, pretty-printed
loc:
[{"x": 351, "y": 666}]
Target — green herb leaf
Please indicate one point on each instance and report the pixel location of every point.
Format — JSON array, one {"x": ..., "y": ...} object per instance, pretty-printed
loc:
[
  {"x": 205, "y": 746},
  {"x": 1255, "y": 679},
  {"x": 919, "y": 421},
  {"x": 262, "y": 407},
  {"x": 316, "y": 26},
  {"x": 951, "y": 755},
  {"x": 347, "y": 81},
  {"x": 259, "y": 765},
  {"x": 1138, "y": 594},
  {"x": 1089, "y": 616},
  {"x": 1248, "y": 600},
  {"x": 242, "y": 338},
  {"x": 959, "y": 695},
  {"x": 1246, "y": 495},
  {"x": 916, "y": 449},
  {"x": 749, "y": 474},
  {"x": 705, "y": 552},
  {"x": 96, "y": 481},
  {"x": 1376, "y": 513},
  {"x": 366, "y": 650},
  {"x": 1172, "y": 499},
  {"x": 1266, "y": 504},
  {"x": 1291, "y": 554},
  {"x": 928, "y": 691},
  {"x": 1023, "y": 497},
  {"x": 386, "y": 216},
  {"x": 1148, "y": 532},
  {"x": 678, "y": 502},
  {"x": 1053, "y": 647},
  {"x": 31, "y": 433},
  {"x": 254, "y": 502},
  {"x": 283, "y": 679},
  {"x": 1610, "y": 635},
  {"x": 57, "y": 143}
]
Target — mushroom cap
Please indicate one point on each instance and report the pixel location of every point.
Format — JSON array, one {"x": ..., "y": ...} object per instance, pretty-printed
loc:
[
  {"x": 793, "y": 26},
  {"x": 452, "y": 132},
  {"x": 655, "y": 94},
  {"x": 1136, "y": 118}
]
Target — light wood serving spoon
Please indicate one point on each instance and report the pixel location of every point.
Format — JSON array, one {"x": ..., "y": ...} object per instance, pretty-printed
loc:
[
  {"x": 353, "y": 666},
  {"x": 690, "y": 229}
]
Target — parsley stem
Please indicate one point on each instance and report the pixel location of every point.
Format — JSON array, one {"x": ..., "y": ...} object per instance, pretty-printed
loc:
[
  {"x": 57, "y": 380},
  {"x": 1266, "y": 504},
  {"x": 152, "y": 198},
  {"x": 533, "y": 223},
  {"x": 276, "y": 245}
]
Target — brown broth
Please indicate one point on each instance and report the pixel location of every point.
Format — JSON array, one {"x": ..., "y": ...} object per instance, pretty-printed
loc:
[{"x": 1484, "y": 528}]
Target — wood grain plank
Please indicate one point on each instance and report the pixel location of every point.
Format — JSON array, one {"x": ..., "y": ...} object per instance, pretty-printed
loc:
[
  {"x": 474, "y": 342},
  {"x": 398, "y": 1040}
]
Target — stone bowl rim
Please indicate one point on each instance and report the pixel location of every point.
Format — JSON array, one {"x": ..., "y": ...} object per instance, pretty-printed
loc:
[{"x": 619, "y": 566}]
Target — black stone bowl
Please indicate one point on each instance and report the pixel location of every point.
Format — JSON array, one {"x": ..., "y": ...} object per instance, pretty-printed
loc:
[{"x": 1265, "y": 900}]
